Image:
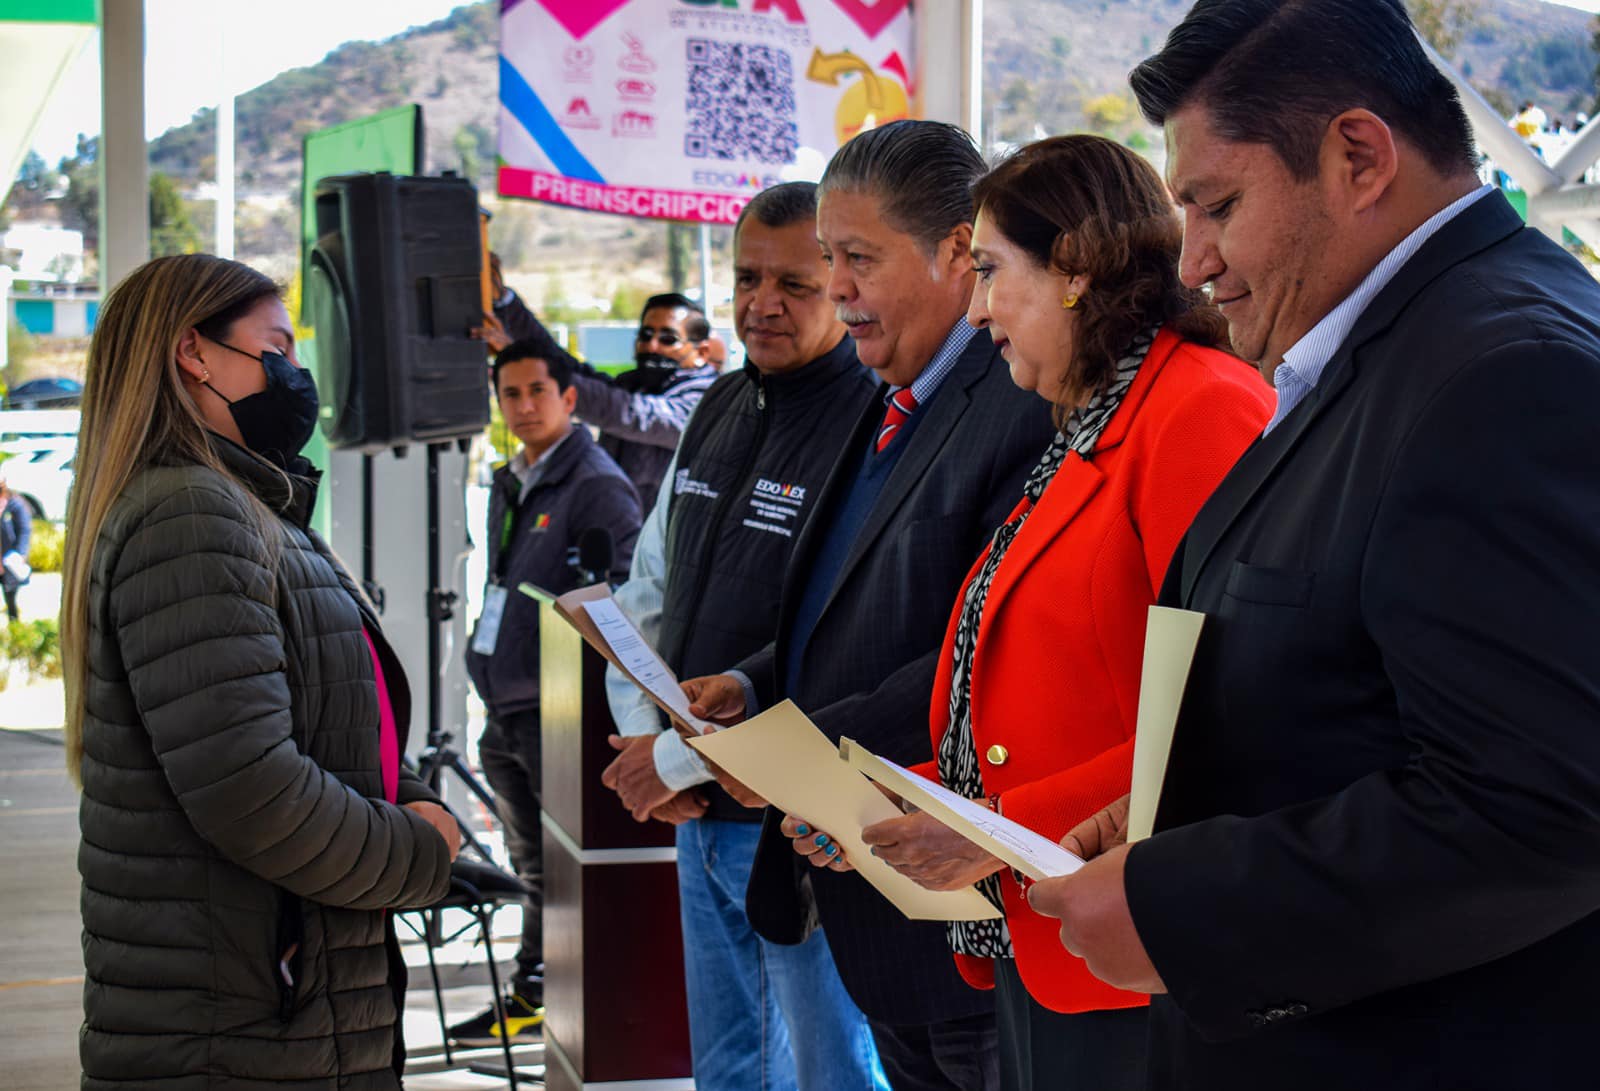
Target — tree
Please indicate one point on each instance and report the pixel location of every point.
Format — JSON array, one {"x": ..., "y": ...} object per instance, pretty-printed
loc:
[
  {"x": 1106, "y": 112},
  {"x": 1595, "y": 43},
  {"x": 1444, "y": 23},
  {"x": 171, "y": 230},
  {"x": 35, "y": 175},
  {"x": 80, "y": 207}
]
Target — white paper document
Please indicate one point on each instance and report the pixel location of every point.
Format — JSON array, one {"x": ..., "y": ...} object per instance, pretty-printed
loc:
[
  {"x": 1171, "y": 637},
  {"x": 639, "y": 660},
  {"x": 1033, "y": 854},
  {"x": 608, "y": 630},
  {"x": 782, "y": 756}
]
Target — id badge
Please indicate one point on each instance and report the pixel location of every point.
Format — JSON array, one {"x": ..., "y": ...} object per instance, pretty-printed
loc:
[{"x": 488, "y": 631}]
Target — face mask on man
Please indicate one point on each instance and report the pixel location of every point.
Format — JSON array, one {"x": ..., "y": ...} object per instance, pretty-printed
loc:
[
  {"x": 652, "y": 373},
  {"x": 280, "y": 419}
]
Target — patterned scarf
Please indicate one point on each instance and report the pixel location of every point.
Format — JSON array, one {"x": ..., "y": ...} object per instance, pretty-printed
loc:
[{"x": 958, "y": 753}]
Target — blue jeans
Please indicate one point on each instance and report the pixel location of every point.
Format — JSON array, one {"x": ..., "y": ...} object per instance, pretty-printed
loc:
[{"x": 762, "y": 1016}]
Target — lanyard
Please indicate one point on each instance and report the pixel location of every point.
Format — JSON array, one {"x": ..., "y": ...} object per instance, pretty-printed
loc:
[{"x": 513, "y": 496}]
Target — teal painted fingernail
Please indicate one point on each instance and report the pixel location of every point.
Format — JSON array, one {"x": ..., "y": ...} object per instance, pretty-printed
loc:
[
  {"x": 833, "y": 850},
  {"x": 822, "y": 839},
  {"x": 802, "y": 829}
]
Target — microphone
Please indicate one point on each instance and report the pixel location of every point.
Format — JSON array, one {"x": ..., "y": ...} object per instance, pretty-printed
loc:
[{"x": 593, "y": 555}]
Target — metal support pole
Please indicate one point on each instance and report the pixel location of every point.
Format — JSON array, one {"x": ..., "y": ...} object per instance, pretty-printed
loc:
[
  {"x": 225, "y": 141},
  {"x": 705, "y": 271},
  {"x": 124, "y": 161},
  {"x": 950, "y": 39},
  {"x": 225, "y": 173}
]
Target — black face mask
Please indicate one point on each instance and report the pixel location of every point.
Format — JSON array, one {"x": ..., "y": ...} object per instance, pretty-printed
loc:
[
  {"x": 653, "y": 374},
  {"x": 280, "y": 419}
]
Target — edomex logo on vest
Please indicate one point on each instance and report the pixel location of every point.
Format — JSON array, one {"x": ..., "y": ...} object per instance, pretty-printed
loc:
[{"x": 797, "y": 493}]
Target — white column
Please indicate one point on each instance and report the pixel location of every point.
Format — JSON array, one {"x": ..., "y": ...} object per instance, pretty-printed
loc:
[
  {"x": 124, "y": 159},
  {"x": 225, "y": 139},
  {"x": 705, "y": 272},
  {"x": 950, "y": 39},
  {"x": 225, "y": 196}
]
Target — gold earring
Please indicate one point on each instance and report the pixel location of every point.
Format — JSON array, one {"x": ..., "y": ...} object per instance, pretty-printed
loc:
[
  {"x": 1070, "y": 302},
  {"x": 205, "y": 376}
]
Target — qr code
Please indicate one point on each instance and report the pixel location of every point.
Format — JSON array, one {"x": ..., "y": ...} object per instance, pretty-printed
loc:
[{"x": 740, "y": 103}]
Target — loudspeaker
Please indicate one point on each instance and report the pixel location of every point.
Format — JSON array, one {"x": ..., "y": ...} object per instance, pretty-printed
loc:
[{"x": 392, "y": 289}]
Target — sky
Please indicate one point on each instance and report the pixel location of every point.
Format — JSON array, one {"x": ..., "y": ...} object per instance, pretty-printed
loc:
[{"x": 196, "y": 50}]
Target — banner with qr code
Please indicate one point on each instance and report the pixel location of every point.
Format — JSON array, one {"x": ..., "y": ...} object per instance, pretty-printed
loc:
[{"x": 685, "y": 109}]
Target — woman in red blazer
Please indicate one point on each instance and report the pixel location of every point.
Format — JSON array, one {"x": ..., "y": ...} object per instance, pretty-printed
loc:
[{"x": 1076, "y": 245}]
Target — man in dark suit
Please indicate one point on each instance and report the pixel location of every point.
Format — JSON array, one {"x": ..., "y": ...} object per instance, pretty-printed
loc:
[
  {"x": 1377, "y": 857},
  {"x": 931, "y": 470}
]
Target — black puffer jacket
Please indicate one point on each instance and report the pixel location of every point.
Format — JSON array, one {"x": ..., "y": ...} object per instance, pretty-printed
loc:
[{"x": 233, "y": 801}]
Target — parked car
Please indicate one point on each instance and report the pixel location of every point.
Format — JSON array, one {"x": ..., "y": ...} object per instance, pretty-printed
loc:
[{"x": 45, "y": 394}]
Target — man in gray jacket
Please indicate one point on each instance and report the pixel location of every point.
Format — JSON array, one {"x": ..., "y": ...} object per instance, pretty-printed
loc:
[
  {"x": 641, "y": 413},
  {"x": 560, "y": 487}
]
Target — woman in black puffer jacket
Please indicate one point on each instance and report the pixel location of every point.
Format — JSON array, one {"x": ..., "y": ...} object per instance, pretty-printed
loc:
[{"x": 233, "y": 714}]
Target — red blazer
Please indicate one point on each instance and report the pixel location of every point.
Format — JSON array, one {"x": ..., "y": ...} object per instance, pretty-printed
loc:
[{"x": 1055, "y": 679}]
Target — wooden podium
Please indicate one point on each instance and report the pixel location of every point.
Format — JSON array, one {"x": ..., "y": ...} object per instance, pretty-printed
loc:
[{"x": 616, "y": 1016}]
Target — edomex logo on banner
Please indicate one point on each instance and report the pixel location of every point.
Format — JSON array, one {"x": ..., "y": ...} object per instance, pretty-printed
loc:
[{"x": 685, "y": 109}]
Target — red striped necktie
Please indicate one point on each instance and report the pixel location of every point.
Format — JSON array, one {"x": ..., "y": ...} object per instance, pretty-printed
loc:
[{"x": 901, "y": 405}]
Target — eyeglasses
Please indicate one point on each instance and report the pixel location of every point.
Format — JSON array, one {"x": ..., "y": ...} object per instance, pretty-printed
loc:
[{"x": 665, "y": 338}]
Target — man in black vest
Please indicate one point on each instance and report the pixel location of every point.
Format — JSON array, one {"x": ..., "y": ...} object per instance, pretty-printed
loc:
[
  {"x": 928, "y": 474},
  {"x": 558, "y": 487},
  {"x": 713, "y": 555}
]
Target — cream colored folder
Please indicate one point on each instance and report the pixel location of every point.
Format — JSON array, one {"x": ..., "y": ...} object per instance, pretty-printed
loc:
[
  {"x": 1035, "y": 855},
  {"x": 1171, "y": 637},
  {"x": 782, "y": 756}
]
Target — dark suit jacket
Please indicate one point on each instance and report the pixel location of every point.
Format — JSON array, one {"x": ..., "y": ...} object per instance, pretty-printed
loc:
[
  {"x": 1378, "y": 852},
  {"x": 869, "y": 665}
]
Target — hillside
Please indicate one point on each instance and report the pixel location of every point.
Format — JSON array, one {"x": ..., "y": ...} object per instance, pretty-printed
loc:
[
  {"x": 1060, "y": 65},
  {"x": 1050, "y": 66}
]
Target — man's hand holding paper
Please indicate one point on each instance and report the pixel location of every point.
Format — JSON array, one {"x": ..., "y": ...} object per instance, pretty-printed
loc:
[
  {"x": 718, "y": 698},
  {"x": 632, "y": 775},
  {"x": 1093, "y": 908}
]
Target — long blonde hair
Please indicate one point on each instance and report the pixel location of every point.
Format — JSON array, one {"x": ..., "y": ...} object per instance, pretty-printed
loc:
[{"x": 136, "y": 411}]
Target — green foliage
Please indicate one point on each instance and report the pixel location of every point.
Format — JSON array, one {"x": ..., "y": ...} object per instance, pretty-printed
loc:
[
  {"x": 80, "y": 208},
  {"x": 1594, "y": 47},
  {"x": 628, "y": 300},
  {"x": 19, "y": 347},
  {"x": 47, "y": 547},
  {"x": 35, "y": 646},
  {"x": 475, "y": 151},
  {"x": 35, "y": 175},
  {"x": 1105, "y": 112},
  {"x": 1444, "y": 23},
  {"x": 171, "y": 229},
  {"x": 1556, "y": 65}
]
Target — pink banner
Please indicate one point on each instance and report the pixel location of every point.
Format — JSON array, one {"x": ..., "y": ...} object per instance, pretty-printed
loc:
[{"x": 660, "y": 204}]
